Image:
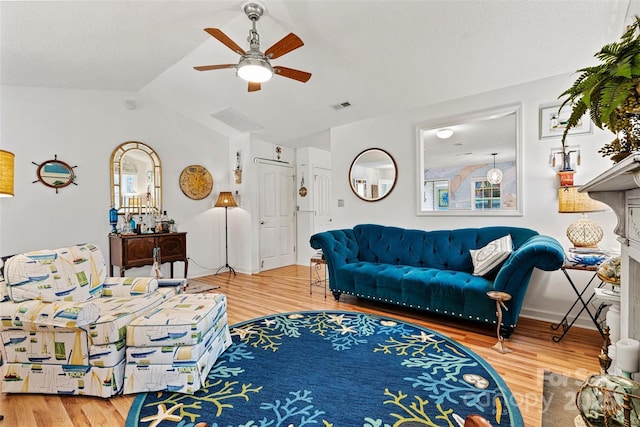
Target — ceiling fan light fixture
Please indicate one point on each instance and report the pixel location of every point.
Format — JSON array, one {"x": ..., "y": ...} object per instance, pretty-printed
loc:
[{"x": 254, "y": 70}]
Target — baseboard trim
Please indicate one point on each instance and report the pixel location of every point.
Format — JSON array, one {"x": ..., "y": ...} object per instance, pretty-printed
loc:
[{"x": 547, "y": 316}]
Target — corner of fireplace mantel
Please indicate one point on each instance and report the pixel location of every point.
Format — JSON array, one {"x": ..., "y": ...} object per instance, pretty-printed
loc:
[{"x": 611, "y": 187}]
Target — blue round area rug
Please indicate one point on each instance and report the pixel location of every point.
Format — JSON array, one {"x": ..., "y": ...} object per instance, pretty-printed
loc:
[{"x": 339, "y": 369}]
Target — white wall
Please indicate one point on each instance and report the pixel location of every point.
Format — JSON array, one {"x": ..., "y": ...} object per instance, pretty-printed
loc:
[
  {"x": 83, "y": 128},
  {"x": 549, "y": 294}
]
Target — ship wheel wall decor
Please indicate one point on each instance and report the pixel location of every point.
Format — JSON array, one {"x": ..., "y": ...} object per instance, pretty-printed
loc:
[{"x": 55, "y": 173}]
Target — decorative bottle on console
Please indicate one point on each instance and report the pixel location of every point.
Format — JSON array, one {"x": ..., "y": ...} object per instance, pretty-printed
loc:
[{"x": 113, "y": 219}]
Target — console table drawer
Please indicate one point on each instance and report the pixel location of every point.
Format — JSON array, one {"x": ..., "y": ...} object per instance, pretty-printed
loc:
[{"x": 136, "y": 250}]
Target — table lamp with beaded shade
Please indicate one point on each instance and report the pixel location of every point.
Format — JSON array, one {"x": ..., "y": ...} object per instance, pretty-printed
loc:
[{"x": 584, "y": 232}]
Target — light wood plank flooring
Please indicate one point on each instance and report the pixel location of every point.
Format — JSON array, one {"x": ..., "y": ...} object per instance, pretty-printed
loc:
[{"x": 287, "y": 289}]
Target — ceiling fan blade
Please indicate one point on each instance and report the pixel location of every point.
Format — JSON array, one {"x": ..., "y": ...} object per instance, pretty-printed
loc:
[
  {"x": 301, "y": 76},
  {"x": 287, "y": 44},
  {"x": 214, "y": 67},
  {"x": 253, "y": 86},
  {"x": 225, "y": 40}
]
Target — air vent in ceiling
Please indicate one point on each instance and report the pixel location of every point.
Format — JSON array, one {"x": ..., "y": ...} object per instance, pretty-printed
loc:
[
  {"x": 342, "y": 105},
  {"x": 233, "y": 118}
]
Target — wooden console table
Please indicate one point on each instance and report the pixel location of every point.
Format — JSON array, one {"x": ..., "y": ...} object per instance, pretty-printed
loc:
[{"x": 136, "y": 250}]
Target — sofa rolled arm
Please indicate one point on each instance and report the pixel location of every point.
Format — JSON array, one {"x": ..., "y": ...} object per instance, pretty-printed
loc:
[
  {"x": 543, "y": 252},
  {"x": 339, "y": 247}
]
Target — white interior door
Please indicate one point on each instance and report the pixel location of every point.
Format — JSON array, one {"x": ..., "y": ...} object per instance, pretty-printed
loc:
[
  {"x": 277, "y": 216},
  {"x": 321, "y": 199}
]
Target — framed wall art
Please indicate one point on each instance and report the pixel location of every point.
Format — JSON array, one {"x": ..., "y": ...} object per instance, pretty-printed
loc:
[
  {"x": 554, "y": 122},
  {"x": 443, "y": 198}
]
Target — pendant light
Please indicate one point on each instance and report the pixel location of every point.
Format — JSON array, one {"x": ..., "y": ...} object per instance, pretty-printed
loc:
[{"x": 494, "y": 175}]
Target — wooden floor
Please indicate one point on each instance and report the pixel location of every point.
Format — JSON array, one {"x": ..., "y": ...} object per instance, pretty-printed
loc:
[{"x": 287, "y": 289}]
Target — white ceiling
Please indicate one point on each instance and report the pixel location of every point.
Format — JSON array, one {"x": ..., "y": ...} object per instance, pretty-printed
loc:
[{"x": 381, "y": 56}]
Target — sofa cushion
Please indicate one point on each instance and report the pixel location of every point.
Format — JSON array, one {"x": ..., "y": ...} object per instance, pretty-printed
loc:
[
  {"x": 116, "y": 313},
  {"x": 181, "y": 320},
  {"x": 443, "y": 291},
  {"x": 487, "y": 259},
  {"x": 75, "y": 273}
]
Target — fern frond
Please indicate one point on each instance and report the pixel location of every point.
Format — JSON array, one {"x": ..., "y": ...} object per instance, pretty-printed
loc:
[
  {"x": 623, "y": 68},
  {"x": 613, "y": 95},
  {"x": 578, "y": 111}
]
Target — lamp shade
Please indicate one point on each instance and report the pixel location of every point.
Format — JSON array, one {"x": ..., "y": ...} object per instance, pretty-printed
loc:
[
  {"x": 584, "y": 232},
  {"x": 6, "y": 173},
  {"x": 570, "y": 200},
  {"x": 225, "y": 200}
]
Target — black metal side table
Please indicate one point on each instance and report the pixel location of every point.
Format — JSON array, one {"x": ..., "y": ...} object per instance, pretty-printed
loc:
[{"x": 583, "y": 299}]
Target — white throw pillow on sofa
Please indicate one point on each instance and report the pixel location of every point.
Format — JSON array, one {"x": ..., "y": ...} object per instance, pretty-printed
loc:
[{"x": 491, "y": 256}]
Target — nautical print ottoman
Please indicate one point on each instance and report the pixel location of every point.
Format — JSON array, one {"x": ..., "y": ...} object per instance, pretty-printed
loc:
[{"x": 174, "y": 346}]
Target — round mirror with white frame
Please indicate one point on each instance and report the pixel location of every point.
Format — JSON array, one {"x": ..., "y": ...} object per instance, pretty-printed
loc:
[
  {"x": 373, "y": 174},
  {"x": 136, "y": 179}
]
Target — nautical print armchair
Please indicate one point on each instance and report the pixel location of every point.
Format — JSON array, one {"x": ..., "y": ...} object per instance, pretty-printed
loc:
[{"x": 63, "y": 321}]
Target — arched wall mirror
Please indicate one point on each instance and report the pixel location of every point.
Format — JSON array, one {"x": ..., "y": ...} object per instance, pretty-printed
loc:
[
  {"x": 136, "y": 179},
  {"x": 457, "y": 156},
  {"x": 373, "y": 174}
]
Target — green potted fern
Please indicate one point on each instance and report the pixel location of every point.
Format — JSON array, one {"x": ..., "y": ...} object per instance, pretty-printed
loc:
[{"x": 610, "y": 92}]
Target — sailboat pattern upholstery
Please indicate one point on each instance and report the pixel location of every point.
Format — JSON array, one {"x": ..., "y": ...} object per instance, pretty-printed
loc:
[
  {"x": 63, "y": 322},
  {"x": 174, "y": 346}
]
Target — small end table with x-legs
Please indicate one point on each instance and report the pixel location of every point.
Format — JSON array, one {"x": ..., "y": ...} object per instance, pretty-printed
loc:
[{"x": 584, "y": 296}]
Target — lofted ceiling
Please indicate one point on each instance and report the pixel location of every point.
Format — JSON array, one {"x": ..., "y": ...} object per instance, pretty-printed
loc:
[{"x": 379, "y": 56}]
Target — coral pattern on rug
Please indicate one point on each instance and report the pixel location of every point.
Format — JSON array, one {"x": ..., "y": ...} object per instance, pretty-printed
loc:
[{"x": 336, "y": 369}]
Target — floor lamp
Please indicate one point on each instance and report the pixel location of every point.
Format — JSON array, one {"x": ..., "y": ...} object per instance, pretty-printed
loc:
[
  {"x": 6, "y": 186},
  {"x": 226, "y": 200}
]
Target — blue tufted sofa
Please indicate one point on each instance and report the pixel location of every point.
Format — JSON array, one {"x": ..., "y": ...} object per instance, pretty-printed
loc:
[{"x": 432, "y": 270}]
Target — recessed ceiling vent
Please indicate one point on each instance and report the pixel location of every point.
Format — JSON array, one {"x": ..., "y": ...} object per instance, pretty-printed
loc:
[
  {"x": 233, "y": 118},
  {"x": 342, "y": 105}
]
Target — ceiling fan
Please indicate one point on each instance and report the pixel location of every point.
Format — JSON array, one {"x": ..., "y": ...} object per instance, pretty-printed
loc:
[{"x": 255, "y": 66}]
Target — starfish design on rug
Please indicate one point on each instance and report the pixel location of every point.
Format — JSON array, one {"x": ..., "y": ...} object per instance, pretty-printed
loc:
[
  {"x": 424, "y": 337},
  {"x": 347, "y": 329},
  {"x": 336, "y": 318},
  {"x": 269, "y": 322},
  {"x": 163, "y": 414},
  {"x": 243, "y": 332}
]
